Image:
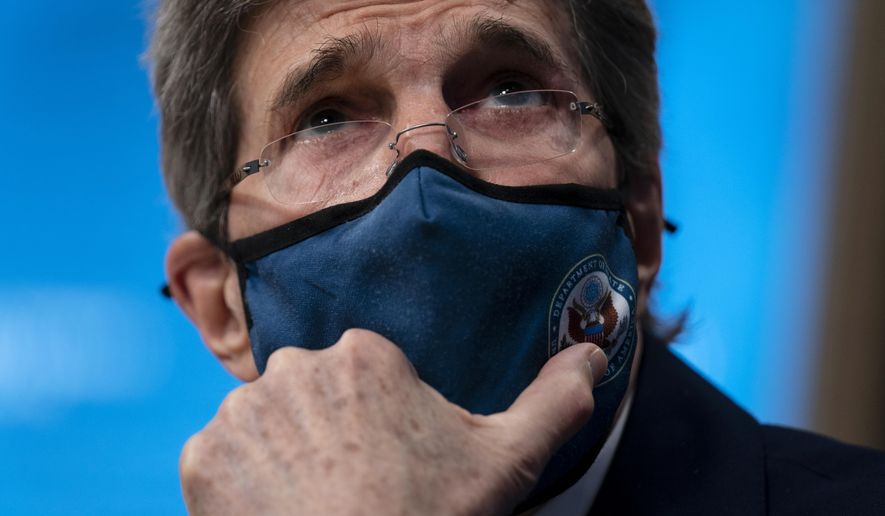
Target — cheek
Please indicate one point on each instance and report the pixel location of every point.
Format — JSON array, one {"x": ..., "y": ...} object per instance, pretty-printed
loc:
[
  {"x": 591, "y": 164},
  {"x": 601, "y": 160},
  {"x": 253, "y": 210}
]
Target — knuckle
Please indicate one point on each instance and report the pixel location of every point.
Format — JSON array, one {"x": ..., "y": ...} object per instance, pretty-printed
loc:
[
  {"x": 194, "y": 453},
  {"x": 236, "y": 402},
  {"x": 364, "y": 350},
  {"x": 361, "y": 344},
  {"x": 283, "y": 359},
  {"x": 349, "y": 342},
  {"x": 356, "y": 334}
]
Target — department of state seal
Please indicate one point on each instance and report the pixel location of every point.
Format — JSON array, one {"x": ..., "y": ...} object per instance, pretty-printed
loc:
[{"x": 593, "y": 305}]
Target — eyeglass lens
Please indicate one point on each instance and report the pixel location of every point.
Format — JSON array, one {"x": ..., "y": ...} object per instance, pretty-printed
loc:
[{"x": 346, "y": 161}]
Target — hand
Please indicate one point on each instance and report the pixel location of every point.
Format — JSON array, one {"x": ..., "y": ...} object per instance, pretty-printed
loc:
[{"x": 352, "y": 430}]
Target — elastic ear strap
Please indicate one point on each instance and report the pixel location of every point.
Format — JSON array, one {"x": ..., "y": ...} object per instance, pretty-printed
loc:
[{"x": 224, "y": 247}]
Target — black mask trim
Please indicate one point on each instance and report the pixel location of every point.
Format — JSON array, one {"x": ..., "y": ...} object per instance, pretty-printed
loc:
[{"x": 264, "y": 243}]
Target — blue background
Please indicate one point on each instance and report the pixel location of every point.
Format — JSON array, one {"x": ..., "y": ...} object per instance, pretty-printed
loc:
[{"x": 102, "y": 380}]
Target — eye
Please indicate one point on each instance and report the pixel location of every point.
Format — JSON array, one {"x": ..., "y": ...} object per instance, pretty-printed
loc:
[
  {"x": 513, "y": 93},
  {"x": 506, "y": 87},
  {"x": 323, "y": 121}
]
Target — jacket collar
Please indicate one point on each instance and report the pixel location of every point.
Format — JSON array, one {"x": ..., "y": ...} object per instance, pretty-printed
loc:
[{"x": 686, "y": 449}]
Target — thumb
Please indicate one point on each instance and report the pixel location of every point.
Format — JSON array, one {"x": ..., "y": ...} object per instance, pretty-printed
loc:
[{"x": 556, "y": 404}]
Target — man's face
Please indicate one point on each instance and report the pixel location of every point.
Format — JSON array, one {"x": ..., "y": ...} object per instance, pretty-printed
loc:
[{"x": 405, "y": 63}]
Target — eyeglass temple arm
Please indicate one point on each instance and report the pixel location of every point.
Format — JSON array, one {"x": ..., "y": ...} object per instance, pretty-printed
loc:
[
  {"x": 595, "y": 109},
  {"x": 251, "y": 167},
  {"x": 246, "y": 170}
]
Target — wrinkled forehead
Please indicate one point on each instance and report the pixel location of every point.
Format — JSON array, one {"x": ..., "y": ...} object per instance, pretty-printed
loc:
[
  {"x": 312, "y": 21},
  {"x": 288, "y": 33},
  {"x": 426, "y": 35}
]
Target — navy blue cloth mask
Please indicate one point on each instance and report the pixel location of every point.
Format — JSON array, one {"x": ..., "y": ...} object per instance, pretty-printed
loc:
[{"x": 479, "y": 284}]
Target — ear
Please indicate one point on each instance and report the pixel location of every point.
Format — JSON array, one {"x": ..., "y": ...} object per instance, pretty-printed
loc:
[
  {"x": 203, "y": 281},
  {"x": 646, "y": 217}
]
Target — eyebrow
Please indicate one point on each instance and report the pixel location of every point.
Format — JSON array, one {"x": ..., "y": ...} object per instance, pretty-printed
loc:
[
  {"x": 327, "y": 63},
  {"x": 335, "y": 55},
  {"x": 496, "y": 33}
]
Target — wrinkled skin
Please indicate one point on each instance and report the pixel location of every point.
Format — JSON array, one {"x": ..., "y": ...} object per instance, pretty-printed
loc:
[
  {"x": 418, "y": 73},
  {"x": 351, "y": 429}
]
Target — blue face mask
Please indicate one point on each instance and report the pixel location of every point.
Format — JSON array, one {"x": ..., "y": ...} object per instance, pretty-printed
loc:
[{"x": 479, "y": 284}]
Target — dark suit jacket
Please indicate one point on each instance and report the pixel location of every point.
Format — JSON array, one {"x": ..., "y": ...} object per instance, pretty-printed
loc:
[{"x": 687, "y": 449}]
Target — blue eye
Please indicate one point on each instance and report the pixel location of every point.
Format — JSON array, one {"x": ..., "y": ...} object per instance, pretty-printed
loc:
[
  {"x": 507, "y": 87},
  {"x": 513, "y": 94},
  {"x": 508, "y": 96},
  {"x": 320, "y": 119}
]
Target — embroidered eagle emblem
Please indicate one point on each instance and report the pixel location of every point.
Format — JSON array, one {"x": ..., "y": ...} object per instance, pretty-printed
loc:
[{"x": 595, "y": 317}]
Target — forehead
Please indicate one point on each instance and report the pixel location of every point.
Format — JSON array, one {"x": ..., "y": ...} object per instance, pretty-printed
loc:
[
  {"x": 299, "y": 25},
  {"x": 422, "y": 33}
]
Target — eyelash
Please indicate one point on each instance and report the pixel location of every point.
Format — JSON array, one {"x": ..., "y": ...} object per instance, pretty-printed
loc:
[
  {"x": 500, "y": 79},
  {"x": 464, "y": 92},
  {"x": 480, "y": 90},
  {"x": 337, "y": 103}
]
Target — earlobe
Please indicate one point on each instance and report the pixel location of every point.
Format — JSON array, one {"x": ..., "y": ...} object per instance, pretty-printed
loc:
[
  {"x": 645, "y": 213},
  {"x": 203, "y": 281}
]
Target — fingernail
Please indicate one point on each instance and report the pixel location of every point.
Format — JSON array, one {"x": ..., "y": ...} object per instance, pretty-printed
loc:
[{"x": 598, "y": 363}]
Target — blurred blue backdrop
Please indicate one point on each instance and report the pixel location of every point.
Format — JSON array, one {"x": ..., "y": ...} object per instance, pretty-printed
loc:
[{"x": 102, "y": 380}]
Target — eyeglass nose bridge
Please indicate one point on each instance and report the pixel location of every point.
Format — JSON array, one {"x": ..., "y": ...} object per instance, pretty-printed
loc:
[{"x": 453, "y": 136}]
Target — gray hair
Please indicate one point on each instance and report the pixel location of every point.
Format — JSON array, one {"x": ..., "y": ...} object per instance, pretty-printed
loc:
[{"x": 195, "y": 43}]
